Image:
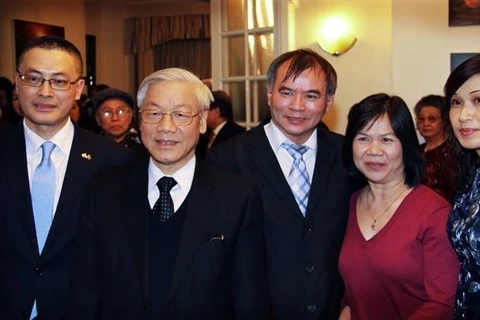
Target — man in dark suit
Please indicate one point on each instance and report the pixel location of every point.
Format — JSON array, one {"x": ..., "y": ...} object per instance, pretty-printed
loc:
[
  {"x": 305, "y": 193},
  {"x": 171, "y": 238},
  {"x": 36, "y": 240},
  {"x": 220, "y": 123}
]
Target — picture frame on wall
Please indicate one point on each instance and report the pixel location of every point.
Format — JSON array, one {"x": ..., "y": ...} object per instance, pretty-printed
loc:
[
  {"x": 24, "y": 31},
  {"x": 458, "y": 58},
  {"x": 463, "y": 12}
]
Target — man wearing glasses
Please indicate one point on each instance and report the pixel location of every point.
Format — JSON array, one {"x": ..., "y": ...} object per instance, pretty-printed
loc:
[
  {"x": 45, "y": 164},
  {"x": 171, "y": 238}
]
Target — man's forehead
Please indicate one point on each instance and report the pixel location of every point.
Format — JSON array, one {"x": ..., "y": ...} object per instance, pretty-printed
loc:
[{"x": 31, "y": 59}]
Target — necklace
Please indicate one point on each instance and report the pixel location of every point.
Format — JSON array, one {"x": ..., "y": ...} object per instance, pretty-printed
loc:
[{"x": 374, "y": 223}]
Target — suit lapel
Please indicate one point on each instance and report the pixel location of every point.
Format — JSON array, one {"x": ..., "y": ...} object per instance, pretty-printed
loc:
[
  {"x": 133, "y": 202},
  {"x": 17, "y": 180},
  {"x": 78, "y": 170},
  {"x": 262, "y": 157},
  {"x": 199, "y": 206}
]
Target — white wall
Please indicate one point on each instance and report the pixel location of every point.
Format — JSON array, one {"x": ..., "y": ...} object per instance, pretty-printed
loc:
[
  {"x": 69, "y": 14},
  {"x": 403, "y": 48},
  {"x": 367, "y": 67},
  {"x": 422, "y": 45}
]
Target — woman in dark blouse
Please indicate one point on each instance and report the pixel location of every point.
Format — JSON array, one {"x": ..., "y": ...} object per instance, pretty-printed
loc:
[
  {"x": 462, "y": 95},
  {"x": 433, "y": 125}
]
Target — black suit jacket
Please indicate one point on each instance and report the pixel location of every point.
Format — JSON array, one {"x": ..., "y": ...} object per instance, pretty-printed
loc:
[
  {"x": 24, "y": 275},
  {"x": 220, "y": 270},
  {"x": 302, "y": 253},
  {"x": 229, "y": 130}
]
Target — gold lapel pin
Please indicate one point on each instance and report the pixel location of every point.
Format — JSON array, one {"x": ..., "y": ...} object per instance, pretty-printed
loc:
[{"x": 86, "y": 156}]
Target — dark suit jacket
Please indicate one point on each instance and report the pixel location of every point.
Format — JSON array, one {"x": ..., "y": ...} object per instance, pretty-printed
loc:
[
  {"x": 302, "y": 253},
  {"x": 213, "y": 279},
  {"x": 229, "y": 130},
  {"x": 24, "y": 275}
]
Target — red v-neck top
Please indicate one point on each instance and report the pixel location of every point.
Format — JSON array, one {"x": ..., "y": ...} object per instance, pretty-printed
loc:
[{"x": 408, "y": 270}]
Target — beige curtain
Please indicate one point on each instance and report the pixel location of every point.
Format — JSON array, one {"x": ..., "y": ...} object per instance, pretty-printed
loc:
[
  {"x": 193, "y": 55},
  {"x": 145, "y": 34}
]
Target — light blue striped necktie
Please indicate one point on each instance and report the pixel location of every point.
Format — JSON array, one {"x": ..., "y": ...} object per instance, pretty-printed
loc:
[
  {"x": 43, "y": 192},
  {"x": 298, "y": 177}
]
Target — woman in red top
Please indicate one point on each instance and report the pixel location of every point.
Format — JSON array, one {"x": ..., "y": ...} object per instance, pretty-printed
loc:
[{"x": 396, "y": 260}]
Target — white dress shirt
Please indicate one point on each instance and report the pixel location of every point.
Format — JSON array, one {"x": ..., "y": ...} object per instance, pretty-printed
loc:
[
  {"x": 276, "y": 138},
  {"x": 183, "y": 176},
  {"x": 63, "y": 140}
]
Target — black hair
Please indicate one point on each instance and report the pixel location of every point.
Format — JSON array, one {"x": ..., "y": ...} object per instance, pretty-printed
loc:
[
  {"x": 223, "y": 102},
  {"x": 466, "y": 159},
  {"x": 299, "y": 61},
  {"x": 368, "y": 111},
  {"x": 53, "y": 43}
]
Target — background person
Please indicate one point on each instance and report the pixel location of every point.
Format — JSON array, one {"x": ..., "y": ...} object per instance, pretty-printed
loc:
[
  {"x": 220, "y": 123},
  {"x": 434, "y": 126},
  {"x": 396, "y": 260},
  {"x": 45, "y": 164},
  {"x": 462, "y": 95},
  {"x": 114, "y": 113},
  {"x": 75, "y": 112},
  {"x": 8, "y": 113},
  {"x": 16, "y": 103}
]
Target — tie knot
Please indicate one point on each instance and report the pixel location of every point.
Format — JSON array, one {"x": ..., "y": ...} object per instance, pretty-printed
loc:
[
  {"x": 166, "y": 184},
  {"x": 294, "y": 150},
  {"x": 47, "y": 149}
]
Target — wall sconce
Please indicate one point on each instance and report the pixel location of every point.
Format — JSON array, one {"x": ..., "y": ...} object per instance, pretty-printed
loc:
[{"x": 335, "y": 37}]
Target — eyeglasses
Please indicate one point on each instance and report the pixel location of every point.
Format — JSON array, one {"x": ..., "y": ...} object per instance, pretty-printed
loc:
[
  {"x": 179, "y": 118},
  {"x": 121, "y": 113},
  {"x": 55, "y": 83}
]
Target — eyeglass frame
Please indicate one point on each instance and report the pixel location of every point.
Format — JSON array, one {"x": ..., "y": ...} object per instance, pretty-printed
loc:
[
  {"x": 103, "y": 116},
  {"x": 22, "y": 78},
  {"x": 191, "y": 114}
]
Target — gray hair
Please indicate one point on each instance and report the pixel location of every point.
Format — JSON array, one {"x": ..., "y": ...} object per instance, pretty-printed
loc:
[{"x": 202, "y": 92}]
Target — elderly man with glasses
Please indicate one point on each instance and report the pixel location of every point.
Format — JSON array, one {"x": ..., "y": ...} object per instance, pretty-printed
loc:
[
  {"x": 45, "y": 164},
  {"x": 171, "y": 238}
]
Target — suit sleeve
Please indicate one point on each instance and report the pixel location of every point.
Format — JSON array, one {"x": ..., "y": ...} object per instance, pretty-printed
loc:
[
  {"x": 251, "y": 291},
  {"x": 86, "y": 285}
]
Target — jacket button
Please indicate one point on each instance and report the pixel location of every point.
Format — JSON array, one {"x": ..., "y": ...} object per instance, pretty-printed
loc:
[
  {"x": 312, "y": 308},
  {"x": 310, "y": 269},
  {"x": 39, "y": 271},
  {"x": 307, "y": 231}
]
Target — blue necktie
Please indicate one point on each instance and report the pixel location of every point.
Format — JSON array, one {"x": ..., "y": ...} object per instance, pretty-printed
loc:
[
  {"x": 43, "y": 192},
  {"x": 164, "y": 204},
  {"x": 298, "y": 176}
]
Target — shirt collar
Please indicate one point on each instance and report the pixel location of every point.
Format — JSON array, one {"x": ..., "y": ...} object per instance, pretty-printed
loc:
[
  {"x": 183, "y": 176},
  {"x": 62, "y": 139},
  {"x": 277, "y": 137},
  {"x": 219, "y": 127}
]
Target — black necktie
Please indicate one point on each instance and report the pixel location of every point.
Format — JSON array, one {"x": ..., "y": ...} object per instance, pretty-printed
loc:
[{"x": 164, "y": 204}]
